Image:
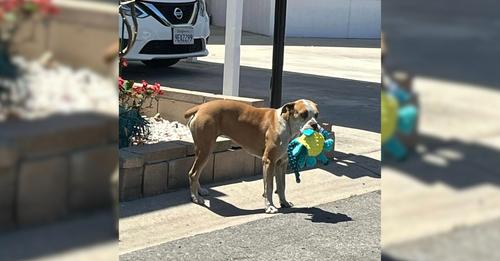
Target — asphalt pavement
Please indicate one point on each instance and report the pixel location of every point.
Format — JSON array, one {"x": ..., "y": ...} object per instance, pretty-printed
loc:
[{"x": 347, "y": 229}]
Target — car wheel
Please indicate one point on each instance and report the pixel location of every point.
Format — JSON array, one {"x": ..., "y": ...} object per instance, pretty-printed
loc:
[{"x": 160, "y": 62}]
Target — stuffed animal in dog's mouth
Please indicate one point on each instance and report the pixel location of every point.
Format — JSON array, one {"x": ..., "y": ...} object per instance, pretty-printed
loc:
[{"x": 309, "y": 147}]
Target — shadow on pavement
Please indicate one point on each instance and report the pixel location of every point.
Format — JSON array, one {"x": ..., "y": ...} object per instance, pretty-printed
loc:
[
  {"x": 343, "y": 102},
  {"x": 163, "y": 201},
  {"x": 316, "y": 215},
  {"x": 386, "y": 257},
  {"x": 455, "y": 163},
  {"x": 353, "y": 166}
]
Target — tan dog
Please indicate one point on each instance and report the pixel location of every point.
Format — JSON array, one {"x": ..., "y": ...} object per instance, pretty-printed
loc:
[{"x": 262, "y": 132}]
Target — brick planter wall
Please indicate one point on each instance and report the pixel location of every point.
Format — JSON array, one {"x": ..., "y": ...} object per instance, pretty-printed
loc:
[
  {"x": 152, "y": 169},
  {"x": 55, "y": 167}
]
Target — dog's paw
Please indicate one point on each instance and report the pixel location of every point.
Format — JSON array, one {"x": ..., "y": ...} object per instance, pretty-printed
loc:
[
  {"x": 198, "y": 200},
  {"x": 286, "y": 204},
  {"x": 203, "y": 191},
  {"x": 271, "y": 210}
]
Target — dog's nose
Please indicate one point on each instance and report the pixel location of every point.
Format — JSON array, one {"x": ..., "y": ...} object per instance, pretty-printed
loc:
[{"x": 315, "y": 126}]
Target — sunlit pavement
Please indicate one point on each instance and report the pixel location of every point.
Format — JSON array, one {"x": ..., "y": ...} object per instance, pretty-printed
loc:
[{"x": 347, "y": 229}]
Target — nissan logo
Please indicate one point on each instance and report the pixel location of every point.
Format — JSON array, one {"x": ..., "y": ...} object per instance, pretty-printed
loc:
[{"x": 178, "y": 13}]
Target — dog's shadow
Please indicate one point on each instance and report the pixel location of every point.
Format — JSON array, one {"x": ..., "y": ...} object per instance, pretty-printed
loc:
[{"x": 315, "y": 215}]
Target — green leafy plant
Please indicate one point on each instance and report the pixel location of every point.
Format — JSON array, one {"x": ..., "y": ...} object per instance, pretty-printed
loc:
[{"x": 133, "y": 99}]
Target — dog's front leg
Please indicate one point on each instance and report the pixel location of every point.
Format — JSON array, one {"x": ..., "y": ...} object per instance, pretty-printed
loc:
[
  {"x": 280, "y": 184},
  {"x": 269, "y": 168}
]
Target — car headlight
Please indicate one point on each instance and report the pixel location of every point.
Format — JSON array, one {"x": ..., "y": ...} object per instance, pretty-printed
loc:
[
  {"x": 138, "y": 11},
  {"x": 203, "y": 7}
]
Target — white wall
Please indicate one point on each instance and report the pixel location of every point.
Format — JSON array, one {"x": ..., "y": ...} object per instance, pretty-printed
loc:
[
  {"x": 314, "y": 18},
  {"x": 257, "y": 17}
]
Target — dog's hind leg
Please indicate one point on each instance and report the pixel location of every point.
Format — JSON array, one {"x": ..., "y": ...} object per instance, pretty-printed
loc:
[
  {"x": 194, "y": 176},
  {"x": 204, "y": 144}
]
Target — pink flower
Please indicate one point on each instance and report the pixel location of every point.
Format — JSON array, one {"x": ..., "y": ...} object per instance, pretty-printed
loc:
[
  {"x": 123, "y": 62},
  {"x": 121, "y": 81}
]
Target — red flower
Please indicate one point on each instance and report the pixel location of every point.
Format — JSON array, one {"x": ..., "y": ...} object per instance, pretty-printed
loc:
[
  {"x": 121, "y": 81},
  {"x": 46, "y": 6},
  {"x": 123, "y": 62}
]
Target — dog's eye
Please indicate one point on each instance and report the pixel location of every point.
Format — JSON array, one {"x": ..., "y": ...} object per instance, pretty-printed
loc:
[
  {"x": 304, "y": 114},
  {"x": 316, "y": 115}
]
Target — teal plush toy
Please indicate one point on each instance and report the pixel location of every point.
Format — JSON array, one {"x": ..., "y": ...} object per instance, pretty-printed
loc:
[{"x": 308, "y": 148}]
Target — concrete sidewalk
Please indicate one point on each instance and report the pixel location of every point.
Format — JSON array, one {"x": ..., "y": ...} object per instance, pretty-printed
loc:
[
  {"x": 152, "y": 221},
  {"x": 348, "y": 229}
]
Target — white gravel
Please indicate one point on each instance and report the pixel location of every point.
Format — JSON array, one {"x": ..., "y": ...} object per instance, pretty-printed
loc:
[
  {"x": 62, "y": 90},
  {"x": 164, "y": 130}
]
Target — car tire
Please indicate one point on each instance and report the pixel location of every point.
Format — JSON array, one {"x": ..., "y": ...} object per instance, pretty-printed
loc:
[{"x": 160, "y": 62}]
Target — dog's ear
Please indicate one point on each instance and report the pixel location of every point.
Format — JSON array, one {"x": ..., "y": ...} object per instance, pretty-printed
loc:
[{"x": 287, "y": 110}]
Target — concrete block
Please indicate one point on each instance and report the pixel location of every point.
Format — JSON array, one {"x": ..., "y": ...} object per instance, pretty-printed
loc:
[
  {"x": 129, "y": 160},
  {"x": 150, "y": 107},
  {"x": 90, "y": 178},
  {"x": 233, "y": 164},
  {"x": 7, "y": 197},
  {"x": 250, "y": 101},
  {"x": 42, "y": 192},
  {"x": 162, "y": 151},
  {"x": 56, "y": 134},
  {"x": 222, "y": 144},
  {"x": 183, "y": 95},
  {"x": 130, "y": 183},
  {"x": 173, "y": 110},
  {"x": 178, "y": 172},
  {"x": 155, "y": 179},
  {"x": 113, "y": 127},
  {"x": 8, "y": 154}
]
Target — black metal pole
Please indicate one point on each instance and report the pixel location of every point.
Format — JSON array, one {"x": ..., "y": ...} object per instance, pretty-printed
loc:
[{"x": 278, "y": 52}]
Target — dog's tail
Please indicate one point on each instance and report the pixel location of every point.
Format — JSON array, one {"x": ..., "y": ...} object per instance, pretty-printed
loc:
[{"x": 189, "y": 114}]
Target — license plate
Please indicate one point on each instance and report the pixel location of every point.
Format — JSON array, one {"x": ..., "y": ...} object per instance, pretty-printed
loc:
[{"x": 183, "y": 36}]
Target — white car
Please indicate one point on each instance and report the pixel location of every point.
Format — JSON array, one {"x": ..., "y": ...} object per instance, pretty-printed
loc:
[{"x": 168, "y": 30}]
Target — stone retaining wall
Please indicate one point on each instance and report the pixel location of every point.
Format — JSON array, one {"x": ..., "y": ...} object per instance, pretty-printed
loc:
[
  {"x": 152, "y": 169},
  {"x": 56, "y": 167}
]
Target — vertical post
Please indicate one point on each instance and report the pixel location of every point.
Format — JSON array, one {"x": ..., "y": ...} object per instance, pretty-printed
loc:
[
  {"x": 278, "y": 52},
  {"x": 234, "y": 17}
]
